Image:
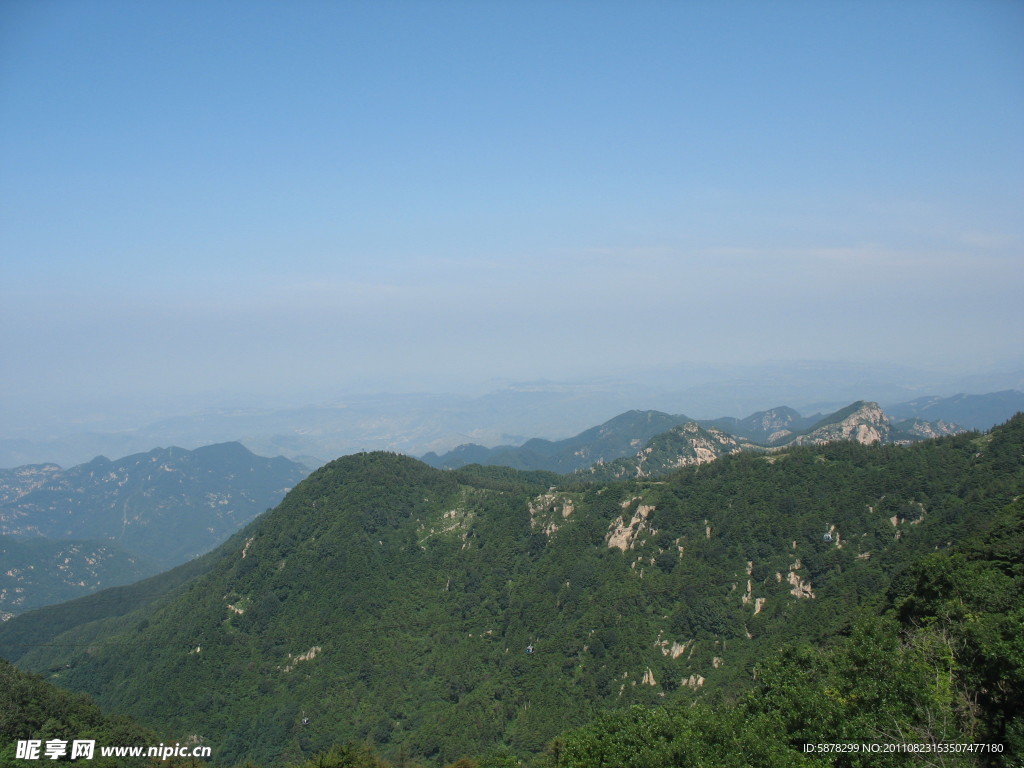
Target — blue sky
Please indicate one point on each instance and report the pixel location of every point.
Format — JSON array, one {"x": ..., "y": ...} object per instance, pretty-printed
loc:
[{"x": 280, "y": 198}]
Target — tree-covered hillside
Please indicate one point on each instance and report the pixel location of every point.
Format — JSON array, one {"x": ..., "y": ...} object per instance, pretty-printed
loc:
[
  {"x": 682, "y": 446},
  {"x": 440, "y": 614}
]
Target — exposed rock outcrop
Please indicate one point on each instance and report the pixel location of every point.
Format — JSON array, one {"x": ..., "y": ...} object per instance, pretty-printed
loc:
[
  {"x": 863, "y": 422},
  {"x": 622, "y": 534}
]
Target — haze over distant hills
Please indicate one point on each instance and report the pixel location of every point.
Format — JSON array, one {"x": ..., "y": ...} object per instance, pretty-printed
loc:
[
  {"x": 969, "y": 411},
  {"x": 498, "y": 414}
]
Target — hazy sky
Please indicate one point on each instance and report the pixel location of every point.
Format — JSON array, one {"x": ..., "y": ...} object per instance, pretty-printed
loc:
[{"x": 282, "y": 197}]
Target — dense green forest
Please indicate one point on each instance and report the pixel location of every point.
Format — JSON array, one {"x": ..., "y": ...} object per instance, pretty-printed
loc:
[{"x": 727, "y": 614}]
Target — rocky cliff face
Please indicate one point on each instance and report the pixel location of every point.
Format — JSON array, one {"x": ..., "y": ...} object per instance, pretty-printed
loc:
[{"x": 862, "y": 421}]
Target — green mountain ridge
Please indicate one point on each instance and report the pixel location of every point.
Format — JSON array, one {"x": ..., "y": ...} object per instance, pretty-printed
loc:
[
  {"x": 630, "y": 436},
  {"x": 30, "y": 708},
  {"x": 389, "y": 601}
]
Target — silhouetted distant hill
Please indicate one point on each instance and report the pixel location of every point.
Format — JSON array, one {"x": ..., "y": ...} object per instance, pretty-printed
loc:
[
  {"x": 169, "y": 504},
  {"x": 647, "y": 443},
  {"x": 766, "y": 427},
  {"x": 617, "y": 437},
  {"x": 969, "y": 411}
]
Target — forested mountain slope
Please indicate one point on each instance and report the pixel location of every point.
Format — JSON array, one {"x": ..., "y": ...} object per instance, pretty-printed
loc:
[
  {"x": 38, "y": 628},
  {"x": 390, "y": 601}
]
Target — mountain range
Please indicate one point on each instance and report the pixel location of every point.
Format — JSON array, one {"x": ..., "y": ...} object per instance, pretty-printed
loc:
[
  {"x": 631, "y": 438},
  {"x": 116, "y": 521},
  {"x": 440, "y": 614},
  {"x": 499, "y": 413},
  {"x": 66, "y": 532}
]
